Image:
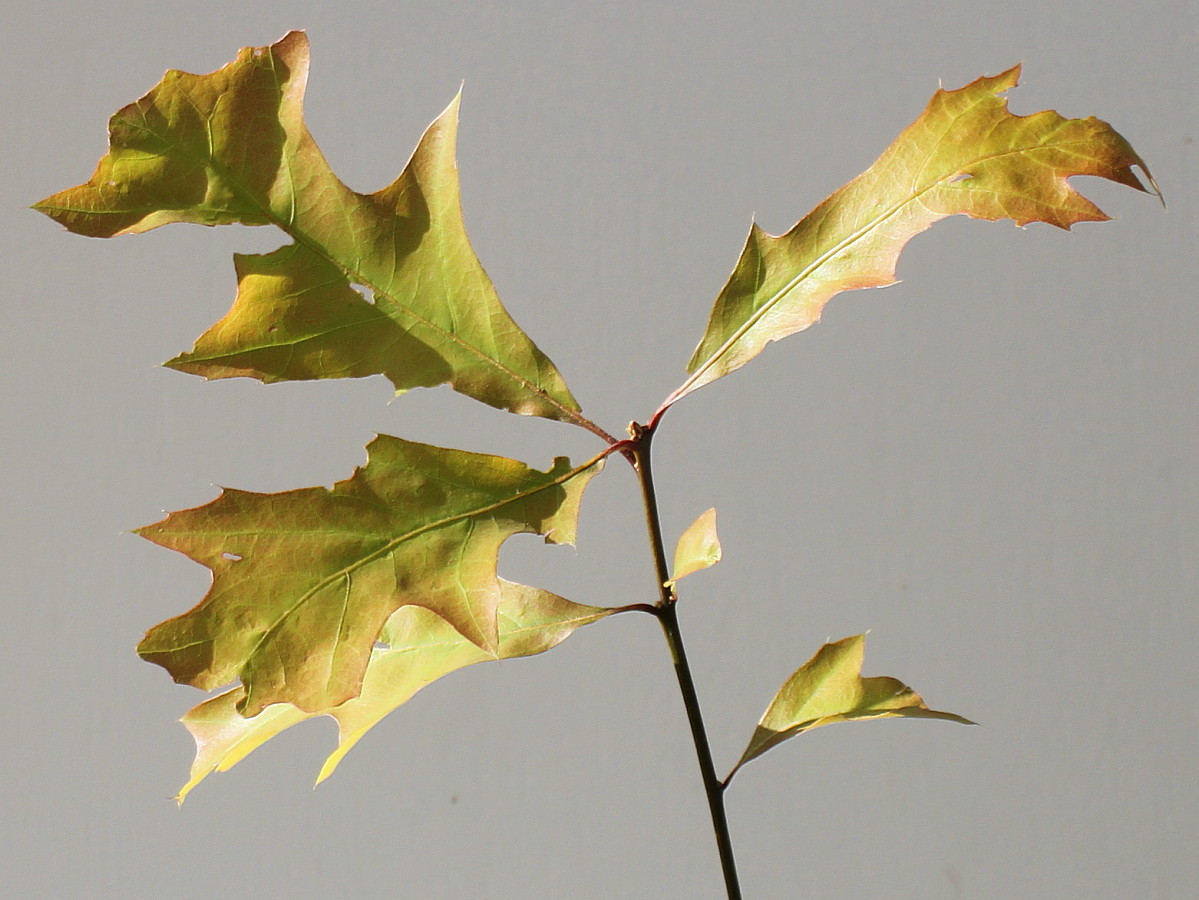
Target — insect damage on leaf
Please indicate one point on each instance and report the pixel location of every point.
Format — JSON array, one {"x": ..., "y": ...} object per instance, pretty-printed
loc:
[
  {"x": 966, "y": 154},
  {"x": 303, "y": 581},
  {"x": 232, "y": 147}
]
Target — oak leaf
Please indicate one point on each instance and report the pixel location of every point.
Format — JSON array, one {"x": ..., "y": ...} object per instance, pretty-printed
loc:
[
  {"x": 303, "y": 581},
  {"x": 966, "y": 154},
  {"x": 383, "y": 283}
]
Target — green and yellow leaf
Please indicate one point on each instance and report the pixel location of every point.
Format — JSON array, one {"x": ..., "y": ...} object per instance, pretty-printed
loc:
[
  {"x": 698, "y": 547},
  {"x": 303, "y": 581},
  {"x": 830, "y": 688},
  {"x": 421, "y": 647},
  {"x": 966, "y": 154},
  {"x": 383, "y": 283}
]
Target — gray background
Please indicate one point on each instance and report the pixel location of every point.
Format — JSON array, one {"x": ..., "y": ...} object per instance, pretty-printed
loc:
[{"x": 989, "y": 465}]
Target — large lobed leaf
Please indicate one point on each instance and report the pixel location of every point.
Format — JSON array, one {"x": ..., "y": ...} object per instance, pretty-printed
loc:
[
  {"x": 830, "y": 688},
  {"x": 421, "y": 647},
  {"x": 303, "y": 581},
  {"x": 232, "y": 147},
  {"x": 966, "y": 154}
]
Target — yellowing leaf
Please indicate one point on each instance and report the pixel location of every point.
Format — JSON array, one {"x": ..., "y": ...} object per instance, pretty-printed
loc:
[
  {"x": 422, "y": 647},
  {"x": 830, "y": 688},
  {"x": 231, "y": 146},
  {"x": 303, "y": 581},
  {"x": 966, "y": 154},
  {"x": 698, "y": 547}
]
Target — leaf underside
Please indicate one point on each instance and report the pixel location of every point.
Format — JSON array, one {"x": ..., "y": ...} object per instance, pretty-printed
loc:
[
  {"x": 383, "y": 283},
  {"x": 303, "y": 581},
  {"x": 966, "y": 154},
  {"x": 421, "y": 647},
  {"x": 830, "y": 688}
]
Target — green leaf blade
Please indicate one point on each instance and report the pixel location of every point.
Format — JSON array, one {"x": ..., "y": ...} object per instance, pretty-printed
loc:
[
  {"x": 966, "y": 154},
  {"x": 232, "y": 147},
  {"x": 698, "y": 547},
  {"x": 304, "y": 581},
  {"x": 829, "y": 688},
  {"x": 422, "y": 647}
]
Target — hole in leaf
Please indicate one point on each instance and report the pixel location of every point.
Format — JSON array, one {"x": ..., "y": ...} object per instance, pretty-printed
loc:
[
  {"x": 961, "y": 176},
  {"x": 367, "y": 294},
  {"x": 232, "y": 557}
]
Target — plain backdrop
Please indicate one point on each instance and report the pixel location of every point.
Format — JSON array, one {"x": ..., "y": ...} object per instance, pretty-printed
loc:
[{"x": 989, "y": 466}]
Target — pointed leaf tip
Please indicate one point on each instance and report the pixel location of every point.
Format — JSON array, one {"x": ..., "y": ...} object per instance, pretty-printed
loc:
[
  {"x": 830, "y": 688},
  {"x": 966, "y": 154}
]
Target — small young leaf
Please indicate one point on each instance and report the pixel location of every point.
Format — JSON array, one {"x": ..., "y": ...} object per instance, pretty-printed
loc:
[
  {"x": 422, "y": 647},
  {"x": 698, "y": 547},
  {"x": 830, "y": 688},
  {"x": 303, "y": 581},
  {"x": 966, "y": 154},
  {"x": 231, "y": 146}
]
